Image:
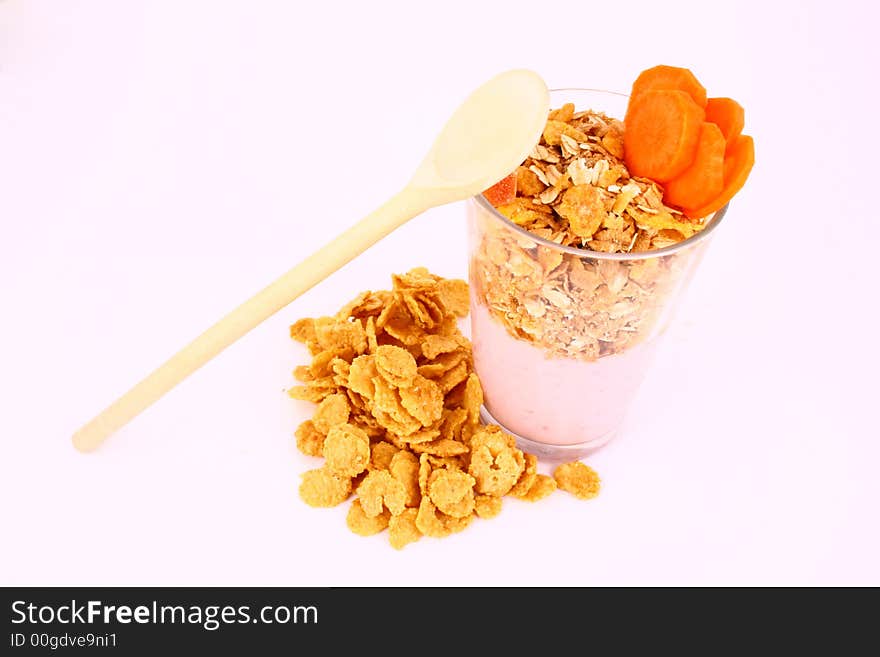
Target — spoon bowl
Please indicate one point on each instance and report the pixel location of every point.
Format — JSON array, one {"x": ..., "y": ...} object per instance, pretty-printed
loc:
[{"x": 487, "y": 137}]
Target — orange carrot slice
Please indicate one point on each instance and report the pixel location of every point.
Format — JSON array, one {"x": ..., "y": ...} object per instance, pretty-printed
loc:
[
  {"x": 502, "y": 192},
  {"x": 669, "y": 77},
  {"x": 703, "y": 180},
  {"x": 661, "y": 134},
  {"x": 728, "y": 115},
  {"x": 738, "y": 163}
]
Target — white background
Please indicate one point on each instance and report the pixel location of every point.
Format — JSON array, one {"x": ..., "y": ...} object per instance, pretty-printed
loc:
[{"x": 160, "y": 161}]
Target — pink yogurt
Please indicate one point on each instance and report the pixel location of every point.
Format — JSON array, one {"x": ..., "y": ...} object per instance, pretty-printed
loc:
[{"x": 551, "y": 400}]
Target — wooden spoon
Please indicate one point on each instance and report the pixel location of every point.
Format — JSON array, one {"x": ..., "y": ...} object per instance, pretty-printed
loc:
[{"x": 488, "y": 136}]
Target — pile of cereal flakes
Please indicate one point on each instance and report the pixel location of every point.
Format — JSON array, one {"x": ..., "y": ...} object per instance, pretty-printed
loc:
[{"x": 398, "y": 418}]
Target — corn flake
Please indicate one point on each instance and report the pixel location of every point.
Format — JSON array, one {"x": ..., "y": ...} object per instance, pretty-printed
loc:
[
  {"x": 303, "y": 373},
  {"x": 389, "y": 411},
  {"x": 320, "y": 366},
  {"x": 473, "y": 398},
  {"x": 452, "y": 492},
  {"x": 528, "y": 183},
  {"x": 441, "y": 364},
  {"x": 381, "y": 454},
  {"x": 434, "y": 345},
  {"x": 527, "y": 478},
  {"x": 564, "y": 113},
  {"x": 314, "y": 391},
  {"x": 322, "y": 488},
  {"x": 331, "y": 411},
  {"x": 452, "y": 422},
  {"x": 372, "y": 339},
  {"x": 366, "y": 305},
  {"x": 347, "y": 450},
  {"x": 404, "y": 467},
  {"x": 454, "y": 296},
  {"x": 487, "y": 506},
  {"x": 554, "y": 130},
  {"x": 303, "y": 330},
  {"x": 432, "y": 522},
  {"x": 423, "y": 399},
  {"x": 396, "y": 365},
  {"x": 361, "y": 374},
  {"x": 379, "y": 490},
  {"x": 578, "y": 479},
  {"x": 340, "y": 336},
  {"x": 309, "y": 440},
  {"x": 442, "y": 447},
  {"x": 541, "y": 487},
  {"x": 421, "y": 436},
  {"x": 402, "y": 529},
  {"x": 362, "y": 524},
  {"x": 496, "y": 463},
  {"x": 453, "y": 377},
  {"x": 584, "y": 208}
]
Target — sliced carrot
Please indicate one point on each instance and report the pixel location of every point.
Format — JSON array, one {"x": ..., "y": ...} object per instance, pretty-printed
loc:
[
  {"x": 738, "y": 163},
  {"x": 661, "y": 134},
  {"x": 703, "y": 180},
  {"x": 728, "y": 115},
  {"x": 502, "y": 192},
  {"x": 670, "y": 77}
]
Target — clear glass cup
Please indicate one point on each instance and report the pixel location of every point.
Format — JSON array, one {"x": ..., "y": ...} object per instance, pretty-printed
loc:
[{"x": 562, "y": 336}]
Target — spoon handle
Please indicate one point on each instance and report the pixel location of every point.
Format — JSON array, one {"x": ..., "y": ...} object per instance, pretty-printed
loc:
[{"x": 396, "y": 211}]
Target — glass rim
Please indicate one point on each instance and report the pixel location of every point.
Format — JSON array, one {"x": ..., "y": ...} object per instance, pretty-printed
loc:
[{"x": 711, "y": 223}]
